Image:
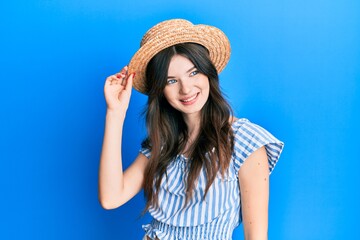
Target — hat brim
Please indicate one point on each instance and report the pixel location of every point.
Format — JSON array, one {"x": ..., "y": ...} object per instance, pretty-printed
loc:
[{"x": 210, "y": 37}]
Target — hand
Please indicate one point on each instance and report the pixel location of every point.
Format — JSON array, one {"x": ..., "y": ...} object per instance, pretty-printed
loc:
[{"x": 117, "y": 90}]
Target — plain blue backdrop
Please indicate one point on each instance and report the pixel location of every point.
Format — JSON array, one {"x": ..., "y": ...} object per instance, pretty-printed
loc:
[{"x": 294, "y": 69}]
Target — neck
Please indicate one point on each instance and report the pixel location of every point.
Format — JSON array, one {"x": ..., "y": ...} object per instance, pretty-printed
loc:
[{"x": 193, "y": 124}]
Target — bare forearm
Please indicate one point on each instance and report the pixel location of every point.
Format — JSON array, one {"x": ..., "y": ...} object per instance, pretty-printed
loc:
[{"x": 110, "y": 171}]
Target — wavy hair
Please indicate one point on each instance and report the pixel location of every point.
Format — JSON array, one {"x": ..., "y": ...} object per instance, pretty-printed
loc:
[{"x": 168, "y": 133}]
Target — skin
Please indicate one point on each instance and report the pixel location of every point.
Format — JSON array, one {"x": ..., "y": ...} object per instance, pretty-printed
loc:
[
  {"x": 254, "y": 190},
  {"x": 187, "y": 90}
]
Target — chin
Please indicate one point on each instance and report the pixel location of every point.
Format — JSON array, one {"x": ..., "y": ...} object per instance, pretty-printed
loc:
[{"x": 196, "y": 110}]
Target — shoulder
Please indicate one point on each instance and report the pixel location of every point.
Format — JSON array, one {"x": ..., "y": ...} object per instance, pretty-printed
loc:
[
  {"x": 244, "y": 127},
  {"x": 246, "y": 131},
  {"x": 248, "y": 137},
  {"x": 238, "y": 123}
]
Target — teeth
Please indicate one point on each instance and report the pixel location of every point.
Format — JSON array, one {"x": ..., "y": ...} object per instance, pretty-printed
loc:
[{"x": 189, "y": 99}]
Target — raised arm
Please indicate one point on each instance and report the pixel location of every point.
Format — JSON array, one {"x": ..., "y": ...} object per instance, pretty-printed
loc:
[
  {"x": 254, "y": 188},
  {"x": 116, "y": 187}
]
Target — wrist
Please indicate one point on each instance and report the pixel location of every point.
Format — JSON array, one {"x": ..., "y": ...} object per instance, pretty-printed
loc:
[{"x": 117, "y": 114}]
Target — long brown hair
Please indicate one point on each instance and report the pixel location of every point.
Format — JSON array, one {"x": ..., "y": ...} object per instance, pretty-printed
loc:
[{"x": 168, "y": 133}]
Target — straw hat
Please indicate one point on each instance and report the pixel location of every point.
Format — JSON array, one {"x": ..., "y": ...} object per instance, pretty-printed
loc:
[{"x": 171, "y": 32}]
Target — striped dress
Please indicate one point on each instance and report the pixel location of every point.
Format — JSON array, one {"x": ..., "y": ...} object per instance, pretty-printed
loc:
[{"x": 216, "y": 216}]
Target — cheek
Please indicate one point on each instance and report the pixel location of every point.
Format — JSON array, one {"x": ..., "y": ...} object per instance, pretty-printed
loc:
[
  {"x": 206, "y": 86},
  {"x": 169, "y": 95}
]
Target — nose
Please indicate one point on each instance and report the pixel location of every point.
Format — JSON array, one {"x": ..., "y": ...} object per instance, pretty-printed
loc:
[{"x": 185, "y": 86}]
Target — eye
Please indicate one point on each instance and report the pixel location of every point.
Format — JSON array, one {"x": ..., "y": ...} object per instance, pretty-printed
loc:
[
  {"x": 193, "y": 73},
  {"x": 171, "y": 81}
]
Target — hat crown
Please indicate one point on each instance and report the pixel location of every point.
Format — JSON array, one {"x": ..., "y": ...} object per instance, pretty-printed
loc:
[
  {"x": 175, "y": 31},
  {"x": 165, "y": 26}
]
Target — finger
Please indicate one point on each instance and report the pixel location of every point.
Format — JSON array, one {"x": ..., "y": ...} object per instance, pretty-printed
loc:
[
  {"x": 111, "y": 80},
  {"x": 124, "y": 70},
  {"x": 129, "y": 82},
  {"x": 108, "y": 79}
]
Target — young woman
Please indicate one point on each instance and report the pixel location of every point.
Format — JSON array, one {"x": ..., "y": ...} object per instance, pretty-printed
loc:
[{"x": 202, "y": 170}]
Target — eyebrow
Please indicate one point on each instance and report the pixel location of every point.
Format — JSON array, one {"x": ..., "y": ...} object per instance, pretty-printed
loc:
[{"x": 186, "y": 72}]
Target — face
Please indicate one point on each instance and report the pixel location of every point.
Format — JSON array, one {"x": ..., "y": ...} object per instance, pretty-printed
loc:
[{"x": 187, "y": 90}]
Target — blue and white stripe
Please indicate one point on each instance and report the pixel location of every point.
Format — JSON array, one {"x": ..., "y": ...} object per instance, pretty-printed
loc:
[
  {"x": 218, "y": 214},
  {"x": 250, "y": 137}
]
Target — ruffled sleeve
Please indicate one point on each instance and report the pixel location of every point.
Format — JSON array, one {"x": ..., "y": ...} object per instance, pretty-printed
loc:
[
  {"x": 145, "y": 151},
  {"x": 248, "y": 137}
]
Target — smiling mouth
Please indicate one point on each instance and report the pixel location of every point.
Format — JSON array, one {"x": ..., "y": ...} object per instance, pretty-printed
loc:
[{"x": 189, "y": 100}]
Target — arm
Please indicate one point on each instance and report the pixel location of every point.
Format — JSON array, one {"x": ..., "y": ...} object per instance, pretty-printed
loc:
[
  {"x": 116, "y": 187},
  {"x": 254, "y": 188}
]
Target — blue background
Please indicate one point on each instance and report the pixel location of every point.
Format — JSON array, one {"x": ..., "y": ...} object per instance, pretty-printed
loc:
[{"x": 295, "y": 70}]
